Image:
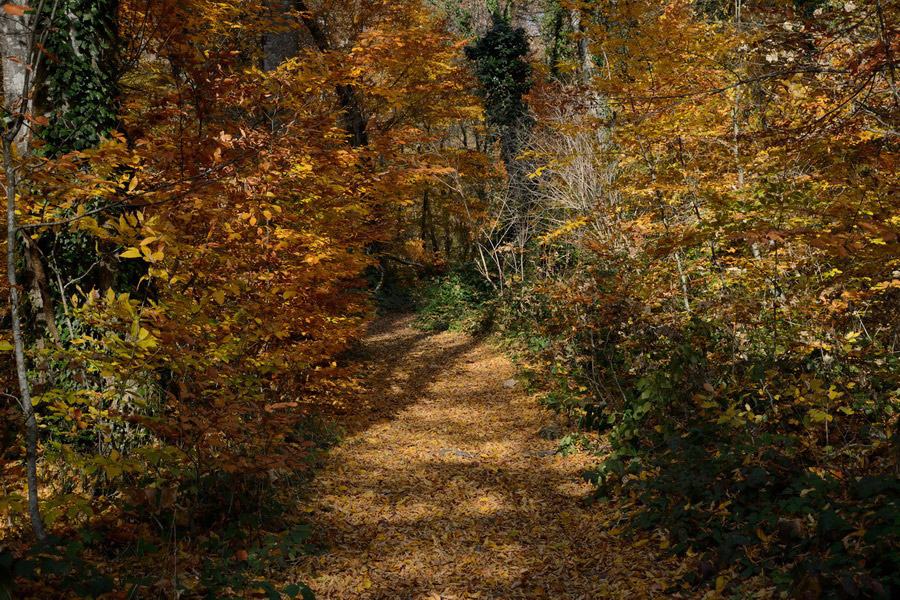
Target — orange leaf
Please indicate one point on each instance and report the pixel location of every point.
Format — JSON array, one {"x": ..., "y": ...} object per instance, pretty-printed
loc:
[
  {"x": 14, "y": 9},
  {"x": 44, "y": 50}
]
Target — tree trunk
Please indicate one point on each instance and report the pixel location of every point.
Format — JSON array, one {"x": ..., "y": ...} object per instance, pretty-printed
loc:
[
  {"x": 38, "y": 286},
  {"x": 19, "y": 38},
  {"x": 15, "y": 46},
  {"x": 25, "y": 402},
  {"x": 353, "y": 118},
  {"x": 280, "y": 44}
]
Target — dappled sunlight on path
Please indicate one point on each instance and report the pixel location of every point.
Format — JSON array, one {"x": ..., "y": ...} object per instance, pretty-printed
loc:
[{"x": 444, "y": 488}]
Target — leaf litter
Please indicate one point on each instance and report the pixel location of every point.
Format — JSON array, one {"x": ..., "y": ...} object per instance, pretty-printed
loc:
[{"x": 444, "y": 489}]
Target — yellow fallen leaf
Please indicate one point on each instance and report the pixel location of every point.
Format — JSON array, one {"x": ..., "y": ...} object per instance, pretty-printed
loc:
[{"x": 721, "y": 582}]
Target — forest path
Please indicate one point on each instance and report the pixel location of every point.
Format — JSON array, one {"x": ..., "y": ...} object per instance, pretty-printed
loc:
[{"x": 444, "y": 488}]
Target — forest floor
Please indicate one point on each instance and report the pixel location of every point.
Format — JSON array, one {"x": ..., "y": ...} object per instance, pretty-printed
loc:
[{"x": 444, "y": 488}]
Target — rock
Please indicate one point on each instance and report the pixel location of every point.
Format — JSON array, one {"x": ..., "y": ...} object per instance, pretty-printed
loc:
[
  {"x": 551, "y": 432},
  {"x": 510, "y": 383},
  {"x": 456, "y": 453}
]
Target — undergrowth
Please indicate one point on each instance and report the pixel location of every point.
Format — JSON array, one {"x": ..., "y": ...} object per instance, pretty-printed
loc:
[
  {"x": 458, "y": 301},
  {"x": 769, "y": 474},
  {"x": 220, "y": 536}
]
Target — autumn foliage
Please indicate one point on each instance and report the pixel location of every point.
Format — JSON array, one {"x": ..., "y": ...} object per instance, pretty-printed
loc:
[
  {"x": 683, "y": 215},
  {"x": 236, "y": 213},
  {"x": 713, "y": 265}
]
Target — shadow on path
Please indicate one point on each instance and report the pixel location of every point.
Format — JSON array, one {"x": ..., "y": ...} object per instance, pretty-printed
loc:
[
  {"x": 397, "y": 361},
  {"x": 439, "y": 491}
]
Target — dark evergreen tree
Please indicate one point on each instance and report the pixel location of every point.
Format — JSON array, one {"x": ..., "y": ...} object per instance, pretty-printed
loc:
[{"x": 505, "y": 76}]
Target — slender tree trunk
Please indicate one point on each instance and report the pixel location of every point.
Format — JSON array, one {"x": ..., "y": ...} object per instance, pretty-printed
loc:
[
  {"x": 25, "y": 401},
  {"x": 18, "y": 39},
  {"x": 426, "y": 223}
]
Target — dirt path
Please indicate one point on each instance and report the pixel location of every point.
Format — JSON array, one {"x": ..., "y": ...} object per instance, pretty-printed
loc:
[{"x": 444, "y": 488}]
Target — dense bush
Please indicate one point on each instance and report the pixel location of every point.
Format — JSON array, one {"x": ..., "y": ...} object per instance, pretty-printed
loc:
[{"x": 458, "y": 301}]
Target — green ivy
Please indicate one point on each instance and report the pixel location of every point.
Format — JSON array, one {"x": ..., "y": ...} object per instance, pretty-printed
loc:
[
  {"x": 81, "y": 82},
  {"x": 505, "y": 75}
]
